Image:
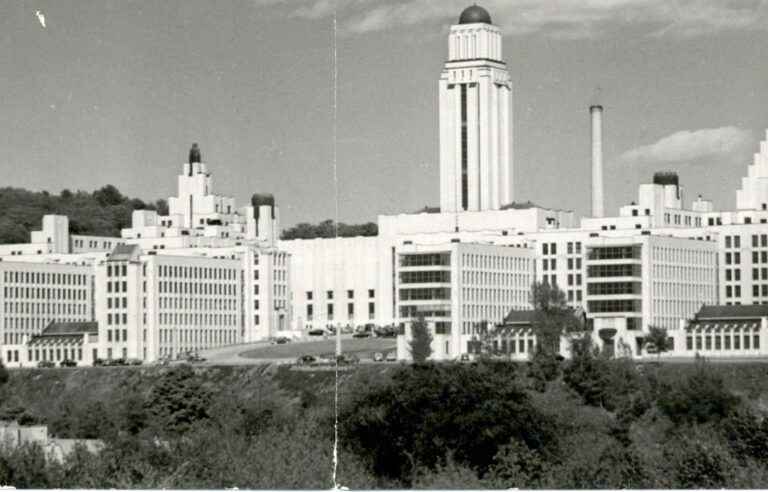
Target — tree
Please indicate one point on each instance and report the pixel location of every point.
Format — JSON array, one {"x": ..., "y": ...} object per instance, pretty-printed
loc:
[
  {"x": 421, "y": 340},
  {"x": 658, "y": 337},
  {"x": 699, "y": 398},
  {"x": 178, "y": 401},
  {"x": 3, "y": 374},
  {"x": 553, "y": 317},
  {"x": 425, "y": 412},
  {"x": 327, "y": 229}
]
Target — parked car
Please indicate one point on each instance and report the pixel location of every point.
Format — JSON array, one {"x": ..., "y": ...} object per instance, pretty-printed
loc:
[
  {"x": 392, "y": 356},
  {"x": 195, "y": 357},
  {"x": 67, "y": 363},
  {"x": 46, "y": 364},
  {"x": 361, "y": 334},
  {"x": 378, "y": 357},
  {"x": 134, "y": 362},
  {"x": 282, "y": 340},
  {"x": 317, "y": 332},
  {"x": 118, "y": 362},
  {"x": 465, "y": 358},
  {"x": 347, "y": 359},
  {"x": 388, "y": 331},
  {"x": 306, "y": 360},
  {"x": 99, "y": 362}
]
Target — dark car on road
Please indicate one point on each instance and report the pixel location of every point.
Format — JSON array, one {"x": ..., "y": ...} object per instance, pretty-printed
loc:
[
  {"x": 306, "y": 360},
  {"x": 282, "y": 340},
  {"x": 67, "y": 363},
  {"x": 347, "y": 359},
  {"x": 361, "y": 334},
  {"x": 195, "y": 357},
  {"x": 46, "y": 364}
]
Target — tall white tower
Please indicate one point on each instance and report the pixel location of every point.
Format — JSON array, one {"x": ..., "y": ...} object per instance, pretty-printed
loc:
[{"x": 476, "y": 170}]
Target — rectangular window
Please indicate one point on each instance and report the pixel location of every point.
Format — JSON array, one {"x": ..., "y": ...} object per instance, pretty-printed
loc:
[
  {"x": 350, "y": 294},
  {"x": 329, "y": 294}
]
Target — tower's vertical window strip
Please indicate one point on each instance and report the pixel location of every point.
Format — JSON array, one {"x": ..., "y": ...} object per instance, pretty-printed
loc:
[{"x": 464, "y": 182}]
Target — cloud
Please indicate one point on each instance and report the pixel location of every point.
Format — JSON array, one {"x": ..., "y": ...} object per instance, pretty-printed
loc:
[
  {"x": 727, "y": 143},
  {"x": 553, "y": 18}
]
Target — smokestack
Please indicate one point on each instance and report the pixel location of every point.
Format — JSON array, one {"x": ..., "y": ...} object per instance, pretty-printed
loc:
[{"x": 597, "y": 160}]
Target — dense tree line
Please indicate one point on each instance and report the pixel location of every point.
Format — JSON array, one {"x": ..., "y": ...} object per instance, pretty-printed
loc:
[
  {"x": 598, "y": 423},
  {"x": 326, "y": 229},
  {"x": 103, "y": 212}
]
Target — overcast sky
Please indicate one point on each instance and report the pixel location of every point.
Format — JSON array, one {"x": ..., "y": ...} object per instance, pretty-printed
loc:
[{"x": 116, "y": 92}]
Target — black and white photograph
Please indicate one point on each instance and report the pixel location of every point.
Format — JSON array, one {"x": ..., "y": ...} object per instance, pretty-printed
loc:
[{"x": 383, "y": 244}]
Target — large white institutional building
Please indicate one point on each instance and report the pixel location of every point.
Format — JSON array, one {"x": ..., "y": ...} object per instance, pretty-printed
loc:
[{"x": 210, "y": 274}]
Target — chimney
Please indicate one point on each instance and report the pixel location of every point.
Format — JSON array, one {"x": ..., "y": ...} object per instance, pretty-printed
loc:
[{"x": 596, "y": 113}]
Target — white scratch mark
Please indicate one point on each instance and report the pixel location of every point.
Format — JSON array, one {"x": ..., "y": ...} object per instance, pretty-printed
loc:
[
  {"x": 336, "y": 235},
  {"x": 40, "y": 17}
]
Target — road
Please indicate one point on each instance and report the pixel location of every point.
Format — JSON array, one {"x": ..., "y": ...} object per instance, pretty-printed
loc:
[{"x": 264, "y": 352}]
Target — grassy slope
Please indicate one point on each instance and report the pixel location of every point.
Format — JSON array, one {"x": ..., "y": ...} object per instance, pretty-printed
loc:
[{"x": 363, "y": 347}]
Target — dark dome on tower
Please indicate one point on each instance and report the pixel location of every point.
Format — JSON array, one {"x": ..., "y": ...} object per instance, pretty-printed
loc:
[
  {"x": 475, "y": 14},
  {"x": 194, "y": 154}
]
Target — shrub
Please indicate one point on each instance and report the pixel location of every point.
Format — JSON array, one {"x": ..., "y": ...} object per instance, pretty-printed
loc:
[
  {"x": 178, "y": 401},
  {"x": 697, "y": 460},
  {"x": 428, "y": 410},
  {"x": 747, "y": 435},
  {"x": 698, "y": 398}
]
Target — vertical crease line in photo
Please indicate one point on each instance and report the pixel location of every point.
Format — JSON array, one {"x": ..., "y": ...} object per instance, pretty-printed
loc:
[{"x": 336, "y": 245}]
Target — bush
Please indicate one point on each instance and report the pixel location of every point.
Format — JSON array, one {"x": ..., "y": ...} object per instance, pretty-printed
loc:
[
  {"x": 697, "y": 460},
  {"x": 428, "y": 410},
  {"x": 543, "y": 368},
  {"x": 698, "y": 398},
  {"x": 747, "y": 435},
  {"x": 178, "y": 401}
]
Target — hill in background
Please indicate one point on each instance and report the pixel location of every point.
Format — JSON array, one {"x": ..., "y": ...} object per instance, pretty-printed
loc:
[{"x": 101, "y": 213}]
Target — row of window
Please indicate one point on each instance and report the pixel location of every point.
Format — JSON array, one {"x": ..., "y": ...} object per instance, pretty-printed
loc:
[
  {"x": 50, "y": 294},
  {"x": 442, "y": 277},
  {"x": 329, "y": 311},
  {"x": 198, "y": 288},
  {"x": 117, "y": 270},
  {"x": 197, "y": 273},
  {"x": 197, "y": 319},
  {"x": 117, "y": 335},
  {"x": 430, "y": 259},
  {"x": 724, "y": 342},
  {"x": 198, "y": 304},
  {"x": 203, "y": 338},
  {"x": 44, "y": 308},
  {"x": 615, "y": 253},
  {"x": 350, "y": 294},
  {"x": 44, "y": 278}
]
